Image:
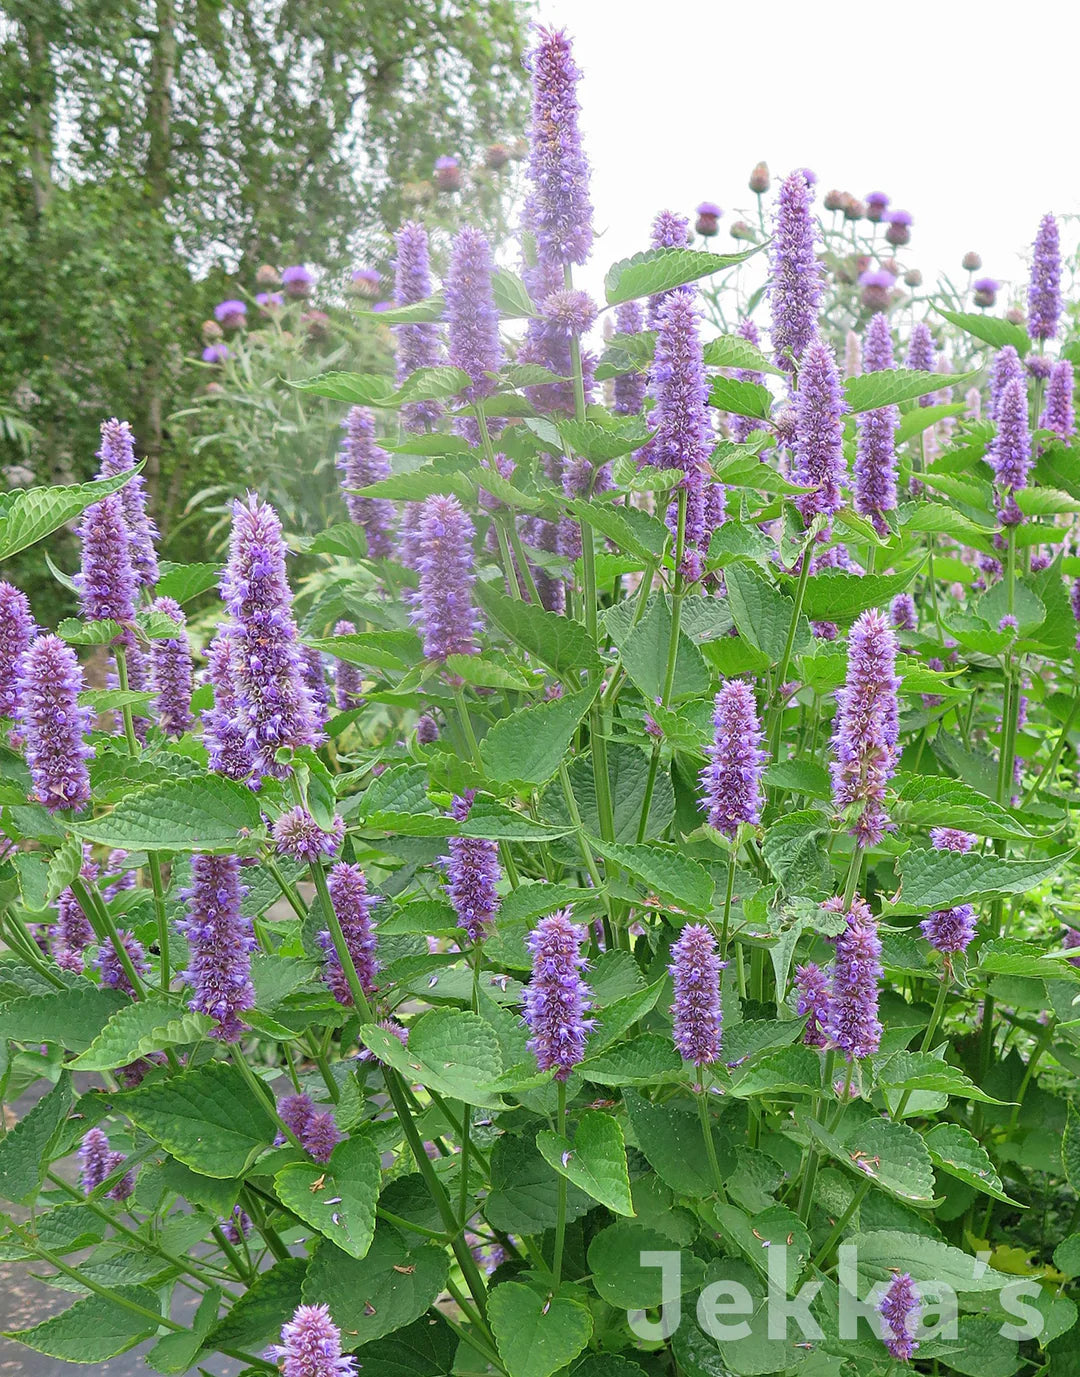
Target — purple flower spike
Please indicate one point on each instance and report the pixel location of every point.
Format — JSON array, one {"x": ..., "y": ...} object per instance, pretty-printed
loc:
[
  {"x": 1044, "y": 292},
  {"x": 470, "y": 312},
  {"x": 348, "y": 679},
  {"x": 922, "y": 354},
  {"x": 353, "y": 906},
  {"x": 171, "y": 672},
  {"x": 271, "y": 695},
  {"x": 875, "y": 458},
  {"x": 867, "y": 726},
  {"x": 418, "y": 344},
  {"x": 363, "y": 462},
  {"x": 819, "y": 433},
  {"x": 224, "y": 730},
  {"x": 695, "y": 973},
  {"x": 731, "y": 782},
  {"x": 472, "y": 874},
  {"x": 950, "y": 930},
  {"x": 815, "y": 999},
  {"x": 316, "y": 1128},
  {"x": 900, "y": 1309},
  {"x": 445, "y": 565},
  {"x": 311, "y": 1346},
  {"x": 220, "y": 941},
  {"x": 111, "y": 967},
  {"x": 314, "y": 670},
  {"x": 107, "y": 581},
  {"x": 427, "y": 729},
  {"x": 1009, "y": 454},
  {"x": 125, "y": 878},
  {"x": 903, "y": 614},
  {"x": 1059, "y": 414},
  {"x": 556, "y": 998},
  {"x": 53, "y": 725},
  {"x": 742, "y": 426},
  {"x": 1005, "y": 368},
  {"x": 558, "y": 210},
  {"x": 856, "y": 978},
  {"x": 98, "y": 1163},
  {"x": 297, "y": 834},
  {"x": 117, "y": 455},
  {"x": 796, "y": 277},
  {"x": 629, "y": 388},
  {"x": 952, "y": 839},
  {"x": 237, "y": 1227},
  {"x": 72, "y": 932},
  {"x": 16, "y": 634},
  {"x": 668, "y": 231}
]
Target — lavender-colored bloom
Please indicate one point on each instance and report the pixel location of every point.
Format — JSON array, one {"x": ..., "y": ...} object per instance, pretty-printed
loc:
[
  {"x": 903, "y": 614},
  {"x": 125, "y": 877},
  {"x": 556, "y": 998},
  {"x": 867, "y": 726},
  {"x": 316, "y": 1128},
  {"x": 899, "y": 227},
  {"x": 900, "y": 1309},
  {"x": 215, "y": 353},
  {"x": 695, "y": 973},
  {"x": 418, "y": 344},
  {"x": 353, "y": 906},
  {"x": 856, "y": 977},
  {"x": 16, "y": 634},
  {"x": 363, "y": 462},
  {"x": 311, "y": 662},
  {"x": 547, "y": 342},
  {"x": 445, "y": 565},
  {"x": 922, "y": 354},
  {"x": 569, "y": 313},
  {"x": 815, "y": 1000},
  {"x": 311, "y": 1346},
  {"x": 731, "y": 782},
  {"x": 224, "y": 730},
  {"x": 741, "y": 427},
  {"x": 271, "y": 695},
  {"x": 1005, "y": 369},
  {"x": 629, "y": 388},
  {"x": 472, "y": 875},
  {"x": 171, "y": 672},
  {"x": 348, "y": 679},
  {"x": 237, "y": 1227},
  {"x": 231, "y": 314},
  {"x": 111, "y": 967},
  {"x": 1009, "y": 454},
  {"x": 107, "y": 582},
  {"x": 950, "y": 930},
  {"x": 297, "y": 834},
  {"x": 1044, "y": 291},
  {"x": 819, "y": 433},
  {"x": 668, "y": 231},
  {"x": 269, "y": 302},
  {"x": 1058, "y": 413},
  {"x": 875, "y": 456},
  {"x": 53, "y": 725},
  {"x": 558, "y": 211},
  {"x": 98, "y": 1163},
  {"x": 220, "y": 942},
  {"x": 470, "y": 312},
  {"x": 297, "y": 280},
  {"x": 117, "y": 455},
  {"x": 796, "y": 277},
  {"x": 72, "y": 932},
  {"x": 427, "y": 730}
]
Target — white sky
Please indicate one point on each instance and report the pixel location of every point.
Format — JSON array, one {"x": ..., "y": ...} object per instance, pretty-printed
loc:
[{"x": 962, "y": 117}]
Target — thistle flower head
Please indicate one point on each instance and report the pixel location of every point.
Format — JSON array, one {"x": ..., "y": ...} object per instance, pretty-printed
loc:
[
  {"x": 220, "y": 942},
  {"x": 298, "y": 280},
  {"x": 445, "y": 565},
  {"x": 695, "y": 972},
  {"x": 106, "y": 583},
  {"x": 867, "y": 726},
  {"x": 731, "y": 782},
  {"x": 297, "y": 834},
  {"x": 1044, "y": 291},
  {"x": 363, "y": 462},
  {"x": 814, "y": 999},
  {"x": 311, "y": 1346},
  {"x": 856, "y": 979},
  {"x": 108, "y": 962},
  {"x": 117, "y": 455},
  {"x": 472, "y": 877},
  {"x": 171, "y": 673},
  {"x": 1059, "y": 413},
  {"x": 16, "y": 634},
  {"x": 558, "y": 210},
  {"x": 899, "y": 1309},
  {"x": 557, "y": 999},
  {"x": 903, "y": 614},
  {"x": 418, "y": 344},
  {"x": 353, "y": 906},
  {"x": 471, "y": 316},
  {"x": 53, "y": 725},
  {"x": 316, "y": 1128},
  {"x": 796, "y": 276},
  {"x": 819, "y": 433}
]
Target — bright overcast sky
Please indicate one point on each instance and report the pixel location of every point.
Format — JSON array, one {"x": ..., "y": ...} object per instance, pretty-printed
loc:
[{"x": 961, "y": 120}]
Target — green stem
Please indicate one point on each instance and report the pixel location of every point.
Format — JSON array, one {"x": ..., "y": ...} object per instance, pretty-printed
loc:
[
  {"x": 104, "y": 927},
  {"x": 1055, "y": 755},
  {"x": 858, "y": 1196},
  {"x": 158, "y": 886},
  {"x": 523, "y": 562},
  {"x": 341, "y": 947},
  {"x": 288, "y": 890},
  {"x": 730, "y": 890},
  {"x": 777, "y": 711},
  {"x": 508, "y": 561},
  {"x": 560, "y": 1205},
  {"x": 702, "y": 1097}
]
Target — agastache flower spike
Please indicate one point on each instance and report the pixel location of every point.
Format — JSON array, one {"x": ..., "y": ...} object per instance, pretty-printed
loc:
[
  {"x": 470, "y": 312},
  {"x": 348, "y": 679},
  {"x": 445, "y": 566},
  {"x": 53, "y": 725},
  {"x": 311, "y": 1346},
  {"x": 271, "y": 695},
  {"x": 743, "y": 426},
  {"x": 363, "y": 462},
  {"x": 72, "y": 932},
  {"x": 224, "y": 731},
  {"x": 556, "y": 998},
  {"x": 117, "y": 455},
  {"x": 220, "y": 941},
  {"x": 669, "y": 231},
  {"x": 875, "y": 459},
  {"x": 558, "y": 210},
  {"x": 731, "y": 782},
  {"x": 1044, "y": 291},
  {"x": 16, "y": 634},
  {"x": 1009, "y": 453},
  {"x": 353, "y": 906},
  {"x": 950, "y": 930},
  {"x": 314, "y": 671},
  {"x": 867, "y": 726},
  {"x": 814, "y": 999},
  {"x": 472, "y": 873},
  {"x": 1005, "y": 368},
  {"x": 316, "y": 1128},
  {"x": 796, "y": 277},
  {"x": 418, "y": 344},
  {"x": 819, "y": 433},
  {"x": 297, "y": 834},
  {"x": 856, "y": 978},
  {"x": 1058, "y": 413},
  {"x": 629, "y": 388},
  {"x": 900, "y": 1309},
  {"x": 903, "y": 613},
  {"x": 111, "y": 967},
  {"x": 171, "y": 672},
  {"x": 107, "y": 582},
  {"x": 695, "y": 973},
  {"x": 98, "y": 1163}
]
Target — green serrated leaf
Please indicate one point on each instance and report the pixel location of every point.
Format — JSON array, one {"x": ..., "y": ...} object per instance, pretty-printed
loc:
[
  {"x": 451, "y": 1051},
  {"x": 536, "y": 1334},
  {"x": 953, "y": 1149},
  {"x": 743, "y": 398},
  {"x": 938, "y": 879},
  {"x": 527, "y": 747},
  {"x": 137, "y": 1029},
  {"x": 990, "y": 329},
  {"x": 382, "y": 1292},
  {"x": 666, "y": 870},
  {"x": 658, "y": 270},
  {"x": 257, "y": 1316},
  {"x": 25, "y": 1150},
  {"x": 337, "y": 1198},
  {"x": 27, "y": 515},
  {"x": 95, "y": 1328},
  {"x": 595, "y": 1160},
  {"x": 763, "y": 614},
  {"x": 891, "y": 386},
  {"x": 207, "y": 814}
]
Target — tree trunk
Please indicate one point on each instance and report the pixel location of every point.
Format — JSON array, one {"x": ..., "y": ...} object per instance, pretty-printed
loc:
[{"x": 40, "y": 92}]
